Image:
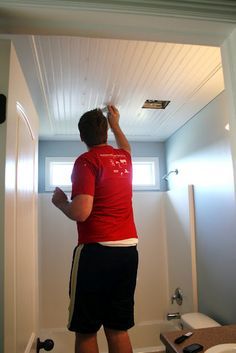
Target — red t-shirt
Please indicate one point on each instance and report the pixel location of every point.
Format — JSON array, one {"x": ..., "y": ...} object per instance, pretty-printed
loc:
[{"x": 105, "y": 173}]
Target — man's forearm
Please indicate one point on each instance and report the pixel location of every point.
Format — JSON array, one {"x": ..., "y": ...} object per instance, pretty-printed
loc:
[
  {"x": 121, "y": 139},
  {"x": 78, "y": 209},
  {"x": 66, "y": 208},
  {"x": 113, "y": 118}
]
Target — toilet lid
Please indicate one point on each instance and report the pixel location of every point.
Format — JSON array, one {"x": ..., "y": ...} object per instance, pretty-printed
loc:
[{"x": 198, "y": 320}]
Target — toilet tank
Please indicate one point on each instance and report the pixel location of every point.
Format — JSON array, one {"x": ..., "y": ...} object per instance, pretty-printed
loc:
[{"x": 197, "y": 320}]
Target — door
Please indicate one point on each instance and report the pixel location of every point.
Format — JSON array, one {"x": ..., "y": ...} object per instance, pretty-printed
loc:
[
  {"x": 21, "y": 236},
  {"x": 26, "y": 240}
]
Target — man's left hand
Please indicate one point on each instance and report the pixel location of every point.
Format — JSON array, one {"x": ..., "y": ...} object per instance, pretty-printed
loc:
[{"x": 59, "y": 197}]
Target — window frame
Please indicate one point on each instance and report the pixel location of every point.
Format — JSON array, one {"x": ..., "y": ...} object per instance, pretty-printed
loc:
[
  {"x": 67, "y": 188},
  {"x": 156, "y": 170},
  {"x": 48, "y": 161}
]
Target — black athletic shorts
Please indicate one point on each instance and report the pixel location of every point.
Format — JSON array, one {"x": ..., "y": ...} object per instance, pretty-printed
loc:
[{"x": 102, "y": 286}]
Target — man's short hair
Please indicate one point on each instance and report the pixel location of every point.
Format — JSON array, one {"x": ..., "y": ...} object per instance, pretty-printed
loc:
[{"x": 93, "y": 128}]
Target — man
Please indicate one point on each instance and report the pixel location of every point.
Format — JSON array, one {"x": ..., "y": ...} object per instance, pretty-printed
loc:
[{"x": 104, "y": 268}]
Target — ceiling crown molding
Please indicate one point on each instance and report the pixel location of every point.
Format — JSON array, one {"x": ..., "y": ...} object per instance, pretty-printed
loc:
[{"x": 224, "y": 11}]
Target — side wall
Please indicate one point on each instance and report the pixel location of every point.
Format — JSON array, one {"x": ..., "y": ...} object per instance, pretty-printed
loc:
[
  {"x": 5, "y": 47},
  {"x": 74, "y": 148},
  {"x": 201, "y": 152}
]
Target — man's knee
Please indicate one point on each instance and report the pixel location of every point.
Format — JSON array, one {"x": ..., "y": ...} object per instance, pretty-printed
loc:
[
  {"x": 115, "y": 334},
  {"x": 85, "y": 336}
]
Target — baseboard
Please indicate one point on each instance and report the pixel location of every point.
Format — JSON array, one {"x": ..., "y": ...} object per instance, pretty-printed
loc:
[{"x": 30, "y": 345}]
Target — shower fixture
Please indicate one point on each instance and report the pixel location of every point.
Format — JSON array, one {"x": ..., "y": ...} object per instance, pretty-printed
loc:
[
  {"x": 173, "y": 316},
  {"x": 165, "y": 177},
  {"x": 177, "y": 296}
]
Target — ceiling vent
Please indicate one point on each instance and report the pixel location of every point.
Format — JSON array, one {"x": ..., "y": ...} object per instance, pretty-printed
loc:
[{"x": 155, "y": 104}]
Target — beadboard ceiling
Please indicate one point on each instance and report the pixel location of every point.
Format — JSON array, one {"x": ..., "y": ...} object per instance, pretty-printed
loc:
[
  {"x": 76, "y": 66},
  {"x": 79, "y": 74}
]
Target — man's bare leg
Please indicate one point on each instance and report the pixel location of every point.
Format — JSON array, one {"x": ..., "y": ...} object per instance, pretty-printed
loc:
[
  {"x": 86, "y": 343},
  {"x": 118, "y": 341}
]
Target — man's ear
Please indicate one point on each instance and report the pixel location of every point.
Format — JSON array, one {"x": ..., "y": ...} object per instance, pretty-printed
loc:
[{"x": 81, "y": 138}]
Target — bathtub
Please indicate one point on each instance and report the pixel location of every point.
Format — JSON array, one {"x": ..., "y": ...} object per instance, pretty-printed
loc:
[{"x": 144, "y": 337}]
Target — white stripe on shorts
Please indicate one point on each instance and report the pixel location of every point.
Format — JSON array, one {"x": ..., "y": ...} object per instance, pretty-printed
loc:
[{"x": 73, "y": 282}]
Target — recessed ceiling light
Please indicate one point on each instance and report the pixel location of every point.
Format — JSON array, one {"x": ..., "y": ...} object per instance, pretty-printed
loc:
[{"x": 155, "y": 104}]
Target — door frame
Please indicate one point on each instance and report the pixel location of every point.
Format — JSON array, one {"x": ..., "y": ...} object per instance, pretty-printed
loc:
[{"x": 18, "y": 92}]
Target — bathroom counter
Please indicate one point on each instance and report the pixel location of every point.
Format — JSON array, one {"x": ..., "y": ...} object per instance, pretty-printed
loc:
[{"x": 207, "y": 337}]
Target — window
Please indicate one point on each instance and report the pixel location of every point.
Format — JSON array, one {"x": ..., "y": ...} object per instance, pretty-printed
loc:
[
  {"x": 146, "y": 173},
  {"x": 58, "y": 173}
]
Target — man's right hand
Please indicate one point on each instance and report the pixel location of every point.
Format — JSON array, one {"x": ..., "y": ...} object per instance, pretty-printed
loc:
[
  {"x": 113, "y": 116},
  {"x": 113, "y": 119}
]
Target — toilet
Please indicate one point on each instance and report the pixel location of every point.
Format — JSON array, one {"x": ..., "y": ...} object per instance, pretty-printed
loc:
[{"x": 197, "y": 320}]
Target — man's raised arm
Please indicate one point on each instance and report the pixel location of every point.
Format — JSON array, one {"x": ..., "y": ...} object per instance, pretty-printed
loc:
[{"x": 113, "y": 119}]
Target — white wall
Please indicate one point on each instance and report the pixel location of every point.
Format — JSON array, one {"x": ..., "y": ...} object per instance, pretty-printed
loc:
[
  {"x": 151, "y": 293},
  {"x": 180, "y": 237},
  {"x": 228, "y": 52},
  {"x": 57, "y": 239}
]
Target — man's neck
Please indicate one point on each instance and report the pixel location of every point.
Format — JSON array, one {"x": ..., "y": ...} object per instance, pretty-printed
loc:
[{"x": 101, "y": 145}]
